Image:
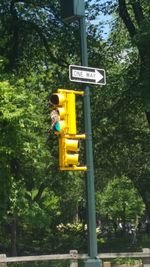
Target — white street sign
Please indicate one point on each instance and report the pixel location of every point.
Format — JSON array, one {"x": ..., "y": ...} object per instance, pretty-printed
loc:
[{"x": 87, "y": 75}]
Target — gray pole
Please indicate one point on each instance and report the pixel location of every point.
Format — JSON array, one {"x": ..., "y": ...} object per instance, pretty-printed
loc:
[
  {"x": 73, "y": 10},
  {"x": 91, "y": 223}
]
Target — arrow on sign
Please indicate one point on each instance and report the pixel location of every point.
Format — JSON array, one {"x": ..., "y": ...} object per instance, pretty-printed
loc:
[{"x": 87, "y": 75}]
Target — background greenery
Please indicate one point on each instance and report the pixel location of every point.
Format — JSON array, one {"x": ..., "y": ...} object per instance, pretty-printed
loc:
[{"x": 43, "y": 210}]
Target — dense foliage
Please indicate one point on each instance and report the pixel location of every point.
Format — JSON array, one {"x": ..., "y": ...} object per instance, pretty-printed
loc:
[{"x": 43, "y": 210}]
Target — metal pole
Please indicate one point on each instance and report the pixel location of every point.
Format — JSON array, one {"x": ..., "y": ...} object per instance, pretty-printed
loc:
[{"x": 91, "y": 223}]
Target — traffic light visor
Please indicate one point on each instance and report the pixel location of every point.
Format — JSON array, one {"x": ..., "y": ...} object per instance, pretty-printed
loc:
[
  {"x": 72, "y": 145},
  {"x": 57, "y": 99},
  {"x": 72, "y": 159}
]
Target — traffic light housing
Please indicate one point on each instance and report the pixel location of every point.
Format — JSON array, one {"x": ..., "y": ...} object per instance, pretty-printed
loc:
[
  {"x": 64, "y": 105},
  {"x": 69, "y": 154},
  {"x": 63, "y": 116},
  {"x": 72, "y": 9}
]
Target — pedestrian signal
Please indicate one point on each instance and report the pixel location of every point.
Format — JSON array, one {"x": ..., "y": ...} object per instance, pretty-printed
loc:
[{"x": 63, "y": 115}]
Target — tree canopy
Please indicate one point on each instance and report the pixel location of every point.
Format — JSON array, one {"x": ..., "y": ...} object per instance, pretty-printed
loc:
[{"x": 37, "y": 200}]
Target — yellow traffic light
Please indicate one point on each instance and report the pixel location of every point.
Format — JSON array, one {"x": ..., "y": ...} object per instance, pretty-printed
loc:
[
  {"x": 69, "y": 154},
  {"x": 64, "y": 113},
  {"x": 63, "y": 118}
]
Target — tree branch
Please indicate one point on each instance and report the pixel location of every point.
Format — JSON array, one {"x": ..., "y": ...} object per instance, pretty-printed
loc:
[
  {"x": 45, "y": 42},
  {"x": 123, "y": 12},
  {"x": 13, "y": 55},
  {"x": 39, "y": 194},
  {"x": 138, "y": 12}
]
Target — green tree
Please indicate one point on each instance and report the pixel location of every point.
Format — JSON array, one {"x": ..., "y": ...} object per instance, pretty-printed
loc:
[
  {"x": 24, "y": 153},
  {"x": 120, "y": 202},
  {"x": 121, "y": 135}
]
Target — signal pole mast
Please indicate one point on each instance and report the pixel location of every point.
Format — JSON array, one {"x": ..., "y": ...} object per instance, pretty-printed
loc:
[
  {"x": 92, "y": 245},
  {"x": 93, "y": 261},
  {"x": 72, "y": 10}
]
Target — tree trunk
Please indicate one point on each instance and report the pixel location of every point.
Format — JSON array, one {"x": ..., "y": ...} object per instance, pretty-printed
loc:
[{"x": 145, "y": 78}]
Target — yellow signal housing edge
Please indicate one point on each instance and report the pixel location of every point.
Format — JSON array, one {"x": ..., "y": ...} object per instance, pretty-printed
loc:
[
  {"x": 71, "y": 113},
  {"x": 74, "y": 168},
  {"x": 73, "y": 91},
  {"x": 76, "y": 136}
]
